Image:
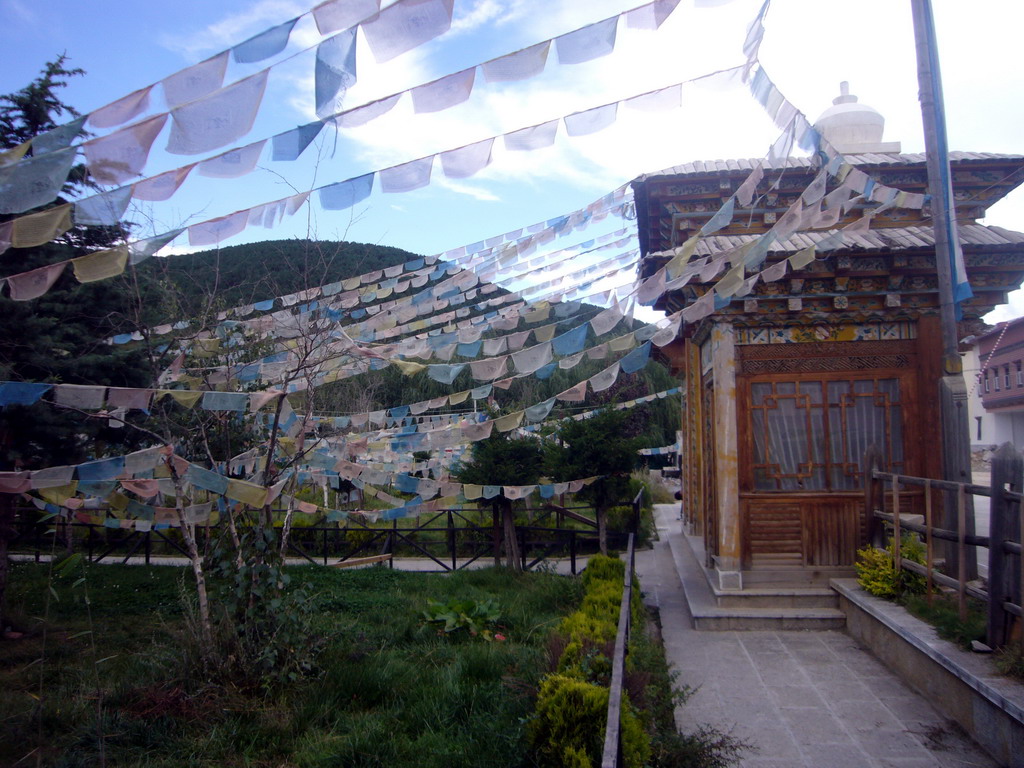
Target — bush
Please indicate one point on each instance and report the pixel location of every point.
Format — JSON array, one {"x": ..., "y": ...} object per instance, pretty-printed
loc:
[
  {"x": 568, "y": 727},
  {"x": 877, "y": 574}
]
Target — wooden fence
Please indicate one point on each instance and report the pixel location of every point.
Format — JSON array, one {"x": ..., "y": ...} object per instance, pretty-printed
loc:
[
  {"x": 886, "y": 499},
  {"x": 612, "y": 756}
]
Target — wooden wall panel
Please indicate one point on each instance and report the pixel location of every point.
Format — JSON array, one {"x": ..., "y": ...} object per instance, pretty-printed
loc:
[{"x": 810, "y": 531}]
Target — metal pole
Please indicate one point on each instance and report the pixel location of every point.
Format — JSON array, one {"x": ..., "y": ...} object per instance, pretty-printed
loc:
[{"x": 952, "y": 390}]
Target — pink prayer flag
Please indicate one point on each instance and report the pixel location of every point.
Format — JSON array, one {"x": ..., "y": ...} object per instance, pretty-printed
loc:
[
  {"x": 145, "y": 489},
  {"x": 158, "y": 188},
  {"x": 121, "y": 397},
  {"x": 574, "y": 394},
  {"x": 120, "y": 156},
  {"x": 121, "y": 111},
  {"x": 32, "y": 285}
]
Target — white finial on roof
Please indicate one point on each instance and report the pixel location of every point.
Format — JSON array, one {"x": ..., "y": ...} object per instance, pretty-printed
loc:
[{"x": 852, "y": 127}]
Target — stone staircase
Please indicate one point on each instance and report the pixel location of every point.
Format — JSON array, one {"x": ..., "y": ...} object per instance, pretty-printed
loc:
[{"x": 767, "y": 602}]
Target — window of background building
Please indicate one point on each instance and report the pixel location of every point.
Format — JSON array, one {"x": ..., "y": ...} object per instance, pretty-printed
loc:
[
  {"x": 985, "y": 376},
  {"x": 995, "y": 379},
  {"x": 1006, "y": 377},
  {"x": 1020, "y": 375}
]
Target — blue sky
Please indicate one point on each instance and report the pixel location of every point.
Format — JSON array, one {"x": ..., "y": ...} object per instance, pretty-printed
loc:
[{"x": 809, "y": 46}]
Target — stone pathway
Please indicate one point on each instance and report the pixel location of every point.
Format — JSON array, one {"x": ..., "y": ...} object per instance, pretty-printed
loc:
[{"x": 800, "y": 699}]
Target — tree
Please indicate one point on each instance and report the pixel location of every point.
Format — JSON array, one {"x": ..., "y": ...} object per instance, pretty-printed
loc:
[
  {"x": 503, "y": 460},
  {"x": 60, "y": 336},
  {"x": 595, "y": 446}
]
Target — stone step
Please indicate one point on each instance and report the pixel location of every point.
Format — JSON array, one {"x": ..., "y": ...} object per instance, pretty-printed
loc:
[
  {"x": 770, "y": 619},
  {"x": 743, "y": 612},
  {"x": 778, "y": 598}
]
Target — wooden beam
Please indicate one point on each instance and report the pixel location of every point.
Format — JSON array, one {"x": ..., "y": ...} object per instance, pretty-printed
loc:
[{"x": 354, "y": 561}]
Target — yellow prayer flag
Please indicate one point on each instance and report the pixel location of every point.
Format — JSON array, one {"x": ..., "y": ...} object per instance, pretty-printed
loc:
[
  {"x": 60, "y": 494},
  {"x": 184, "y": 397},
  {"x": 732, "y": 281},
  {"x": 118, "y": 501},
  {"x": 408, "y": 367},
  {"x": 510, "y": 422},
  {"x": 247, "y": 493},
  {"x": 538, "y": 315},
  {"x": 39, "y": 228},
  {"x": 544, "y": 333},
  {"x": 458, "y": 397},
  {"x": 11, "y": 156},
  {"x": 100, "y": 265},
  {"x": 802, "y": 259},
  {"x": 622, "y": 343}
]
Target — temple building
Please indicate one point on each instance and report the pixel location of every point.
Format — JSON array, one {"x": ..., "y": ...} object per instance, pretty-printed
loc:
[{"x": 828, "y": 347}]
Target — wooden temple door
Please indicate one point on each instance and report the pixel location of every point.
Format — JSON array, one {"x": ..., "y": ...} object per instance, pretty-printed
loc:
[{"x": 802, "y": 437}]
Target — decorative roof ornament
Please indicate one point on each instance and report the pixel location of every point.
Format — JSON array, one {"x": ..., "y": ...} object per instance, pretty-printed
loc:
[{"x": 852, "y": 127}]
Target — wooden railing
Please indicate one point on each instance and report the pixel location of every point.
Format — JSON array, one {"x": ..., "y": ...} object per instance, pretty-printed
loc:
[
  {"x": 1005, "y": 581},
  {"x": 612, "y": 756}
]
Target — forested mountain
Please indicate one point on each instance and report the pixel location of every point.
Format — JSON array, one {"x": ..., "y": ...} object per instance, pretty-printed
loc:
[{"x": 243, "y": 274}]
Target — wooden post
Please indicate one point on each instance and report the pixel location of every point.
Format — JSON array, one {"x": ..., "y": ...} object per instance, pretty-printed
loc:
[
  {"x": 873, "y": 498},
  {"x": 961, "y": 550},
  {"x": 929, "y": 552},
  {"x": 1007, "y": 473},
  {"x": 496, "y": 533},
  {"x": 897, "y": 538},
  {"x": 512, "y": 559}
]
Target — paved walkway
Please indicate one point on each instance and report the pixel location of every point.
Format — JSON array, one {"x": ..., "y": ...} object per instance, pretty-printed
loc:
[{"x": 800, "y": 699}]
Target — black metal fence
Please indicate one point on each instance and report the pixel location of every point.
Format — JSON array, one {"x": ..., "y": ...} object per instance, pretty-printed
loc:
[{"x": 450, "y": 539}]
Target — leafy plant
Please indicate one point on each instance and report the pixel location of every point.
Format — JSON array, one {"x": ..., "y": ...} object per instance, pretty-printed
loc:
[
  {"x": 877, "y": 573},
  {"x": 477, "y": 617}
]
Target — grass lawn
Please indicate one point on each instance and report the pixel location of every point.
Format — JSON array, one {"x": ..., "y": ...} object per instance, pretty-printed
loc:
[{"x": 388, "y": 690}]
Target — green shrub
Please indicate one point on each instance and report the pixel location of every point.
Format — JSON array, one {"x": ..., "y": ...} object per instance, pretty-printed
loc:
[
  {"x": 877, "y": 574},
  {"x": 603, "y": 568},
  {"x": 569, "y": 725}
]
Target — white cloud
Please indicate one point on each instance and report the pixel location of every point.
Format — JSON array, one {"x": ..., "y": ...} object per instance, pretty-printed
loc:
[
  {"x": 460, "y": 188},
  {"x": 479, "y": 14}
]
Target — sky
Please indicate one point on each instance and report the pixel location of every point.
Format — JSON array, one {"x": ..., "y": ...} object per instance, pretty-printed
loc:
[{"x": 809, "y": 47}]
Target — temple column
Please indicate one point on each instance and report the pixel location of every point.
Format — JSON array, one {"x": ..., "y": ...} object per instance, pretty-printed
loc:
[{"x": 727, "y": 500}]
